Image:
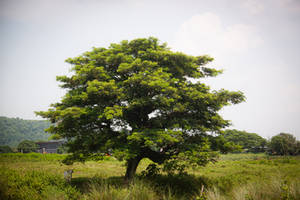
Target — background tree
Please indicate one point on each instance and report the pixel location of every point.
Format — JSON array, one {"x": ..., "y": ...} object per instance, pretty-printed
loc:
[
  {"x": 219, "y": 143},
  {"x": 284, "y": 144},
  {"x": 250, "y": 142},
  {"x": 5, "y": 149},
  {"x": 137, "y": 99},
  {"x": 298, "y": 148},
  {"x": 27, "y": 146}
]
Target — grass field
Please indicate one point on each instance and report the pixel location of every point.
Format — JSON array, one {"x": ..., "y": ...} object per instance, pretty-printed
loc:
[{"x": 234, "y": 176}]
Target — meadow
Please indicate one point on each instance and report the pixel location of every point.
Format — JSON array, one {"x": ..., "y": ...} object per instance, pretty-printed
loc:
[{"x": 234, "y": 176}]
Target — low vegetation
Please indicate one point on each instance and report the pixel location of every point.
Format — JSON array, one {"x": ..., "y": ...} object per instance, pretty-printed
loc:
[{"x": 234, "y": 176}]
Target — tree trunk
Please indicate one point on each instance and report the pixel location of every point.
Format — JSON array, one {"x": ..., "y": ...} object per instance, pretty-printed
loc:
[{"x": 131, "y": 168}]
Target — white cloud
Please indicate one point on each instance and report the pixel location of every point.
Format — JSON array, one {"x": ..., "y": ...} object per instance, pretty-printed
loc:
[
  {"x": 253, "y": 6},
  {"x": 292, "y": 5},
  {"x": 206, "y": 34}
]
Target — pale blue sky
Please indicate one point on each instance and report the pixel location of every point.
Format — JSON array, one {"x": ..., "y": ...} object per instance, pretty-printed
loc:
[{"x": 256, "y": 42}]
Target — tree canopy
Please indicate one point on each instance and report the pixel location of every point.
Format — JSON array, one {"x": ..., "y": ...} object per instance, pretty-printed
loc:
[
  {"x": 219, "y": 143},
  {"x": 251, "y": 142},
  {"x": 5, "y": 149},
  {"x": 284, "y": 144},
  {"x": 27, "y": 146},
  {"x": 138, "y": 99}
]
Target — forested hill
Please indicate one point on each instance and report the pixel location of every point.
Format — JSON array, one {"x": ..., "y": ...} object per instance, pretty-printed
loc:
[{"x": 15, "y": 130}]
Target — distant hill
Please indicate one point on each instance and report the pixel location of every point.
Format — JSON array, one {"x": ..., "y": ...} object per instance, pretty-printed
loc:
[{"x": 15, "y": 130}]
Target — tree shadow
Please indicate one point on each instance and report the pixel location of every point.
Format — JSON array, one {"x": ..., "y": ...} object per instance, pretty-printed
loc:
[
  {"x": 83, "y": 183},
  {"x": 180, "y": 185}
]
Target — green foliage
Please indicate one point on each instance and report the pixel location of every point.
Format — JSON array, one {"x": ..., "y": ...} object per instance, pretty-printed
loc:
[
  {"x": 248, "y": 141},
  {"x": 136, "y": 99},
  {"x": 151, "y": 171},
  {"x": 27, "y": 146},
  {"x": 62, "y": 149},
  {"x": 5, "y": 149},
  {"x": 224, "y": 146},
  {"x": 184, "y": 160},
  {"x": 284, "y": 144},
  {"x": 15, "y": 130}
]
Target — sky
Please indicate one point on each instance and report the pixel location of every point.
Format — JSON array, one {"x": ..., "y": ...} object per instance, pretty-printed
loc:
[{"x": 255, "y": 42}]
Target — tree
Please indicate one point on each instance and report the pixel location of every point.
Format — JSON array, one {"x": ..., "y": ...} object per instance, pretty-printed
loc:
[
  {"x": 139, "y": 99},
  {"x": 27, "y": 146},
  {"x": 284, "y": 144},
  {"x": 219, "y": 143},
  {"x": 251, "y": 142},
  {"x": 5, "y": 149}
]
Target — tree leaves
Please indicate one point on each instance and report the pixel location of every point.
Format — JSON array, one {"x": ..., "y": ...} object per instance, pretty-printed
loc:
[{"x": 136, "y": 99}]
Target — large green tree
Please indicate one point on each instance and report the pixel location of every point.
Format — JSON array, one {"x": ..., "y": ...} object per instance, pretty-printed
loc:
[
  {"x": 138, "y": 99},
  {"x": 284, "y": 144}
]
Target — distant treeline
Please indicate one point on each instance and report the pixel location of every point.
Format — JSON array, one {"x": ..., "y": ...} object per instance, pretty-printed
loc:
[
  {"x": 280, "y": 144},
  {"x": 250, "y": 142},
  {"x": 15, "y": 130}
]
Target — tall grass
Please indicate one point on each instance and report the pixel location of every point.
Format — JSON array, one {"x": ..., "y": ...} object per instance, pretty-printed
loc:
[
  {"x": 234, "y": 177},
  {"x": 244, "y": 156},
  {"x": 15, "y": 185},
  {"x": 274, "y": 189},
  {"x": 137, "y": 191},
  {"x": 33, "y": 157}
]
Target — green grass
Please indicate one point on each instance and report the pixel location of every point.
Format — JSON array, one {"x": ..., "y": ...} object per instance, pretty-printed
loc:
[
  {"x": 34, "y": 185},
  {"x": 234, "y": 176}
]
